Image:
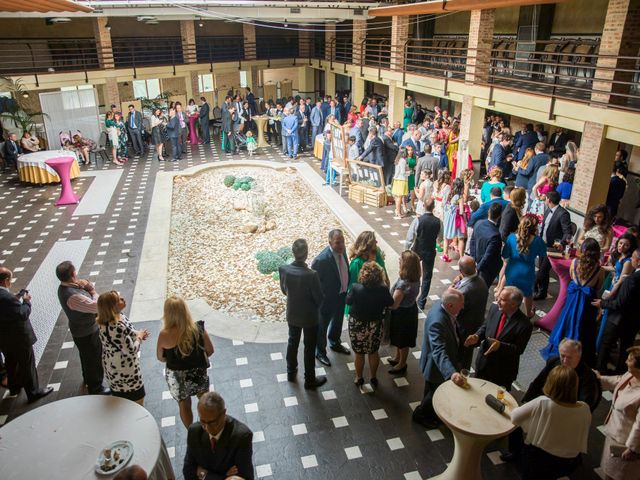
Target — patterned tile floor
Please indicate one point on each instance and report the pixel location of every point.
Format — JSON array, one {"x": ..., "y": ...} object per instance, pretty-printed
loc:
[{"x": 337, "y": 432}]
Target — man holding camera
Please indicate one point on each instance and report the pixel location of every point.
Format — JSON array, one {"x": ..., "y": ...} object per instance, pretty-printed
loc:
[{"x": 17, "y": 339}]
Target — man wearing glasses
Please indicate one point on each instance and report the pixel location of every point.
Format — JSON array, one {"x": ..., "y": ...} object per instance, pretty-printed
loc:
[{"x": 218, "y": 446}]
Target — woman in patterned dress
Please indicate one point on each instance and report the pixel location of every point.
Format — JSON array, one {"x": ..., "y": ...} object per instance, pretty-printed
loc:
[
  {"x": 121, "y": 149},
  {"x": 120, "y": 347},
  {"x": 185, "y": 346}
]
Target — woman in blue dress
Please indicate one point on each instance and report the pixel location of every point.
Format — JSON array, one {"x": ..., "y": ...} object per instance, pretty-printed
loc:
[
  {"x": 578, "y": 319},
  {"x": 519, "y": 255},
  {"x": 455, "y": 222},
  {"x": 620, "y": 265}
]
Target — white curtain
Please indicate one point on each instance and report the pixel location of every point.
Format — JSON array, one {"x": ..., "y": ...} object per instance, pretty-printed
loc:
[{"x": 69, "y": 112}]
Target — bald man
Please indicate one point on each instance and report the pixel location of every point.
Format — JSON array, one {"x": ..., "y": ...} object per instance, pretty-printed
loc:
[
  {"x": 132, "y": 472},
  {"x": 17, "y": 339},
  {"x": 440, "y": 359},
  {"x": 475, "y": 293}
]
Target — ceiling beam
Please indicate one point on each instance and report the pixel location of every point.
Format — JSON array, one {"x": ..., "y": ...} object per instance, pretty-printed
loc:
[
  {"x": 444, "y": 6},
  {"x": 43, "y": 6}
]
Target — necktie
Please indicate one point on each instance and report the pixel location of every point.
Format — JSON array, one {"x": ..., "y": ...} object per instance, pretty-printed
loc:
[
  {"x": 503, "y": 320},
  {"x": 133, "y": 125},
  {"x": 213, "y": 443},
  {"x": 344, "y": 275}
]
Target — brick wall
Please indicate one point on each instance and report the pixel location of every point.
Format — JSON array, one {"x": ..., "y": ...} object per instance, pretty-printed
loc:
[
  {"x": 480, "y": 43},
  {"x": 226, "y": 80},
  {"x": 103, "y": 42},
  {"x": 359, "y": 35},
  {"x": 112, "y": 92},
  {"x": 125, "y": 92},
  {"x": 249, "y": 34},
  {"x": 175, "y": 85},
  {"x": 188, "y": 38},
  {"x": 329, "y": 37},
  {"x": 399, "y": 35}
]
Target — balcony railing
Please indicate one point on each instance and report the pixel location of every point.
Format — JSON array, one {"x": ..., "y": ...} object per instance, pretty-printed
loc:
[{"x": 570, "y": 69}]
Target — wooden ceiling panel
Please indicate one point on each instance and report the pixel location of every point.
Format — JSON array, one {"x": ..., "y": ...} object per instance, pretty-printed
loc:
[
  {"x": 42, "y": 6},
  {"x": 443, "y": 6}
]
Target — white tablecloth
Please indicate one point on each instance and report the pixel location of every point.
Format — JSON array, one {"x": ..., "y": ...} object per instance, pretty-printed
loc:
[
  {"x": 38, "y": 159},
  {"x": 63, "y": 439}
]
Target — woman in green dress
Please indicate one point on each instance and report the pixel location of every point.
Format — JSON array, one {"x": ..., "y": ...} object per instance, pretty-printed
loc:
[
  {"x": 411, "y": 179},
  {"x": 112, "y": 133},
  {"x": 122, "y": 150},
  {"x": 408, "y": 115},
  {"x": 365, "y": 248}
]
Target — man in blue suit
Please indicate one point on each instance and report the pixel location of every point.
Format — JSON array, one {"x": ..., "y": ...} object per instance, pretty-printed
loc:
[
  {"x": 440, "y": 359},
  {"x": 204, "y": 121},
  {"x": 173, "y": 132},
  {"x": 332, "y": 266},
  {"x": 334, "y": 110},
  {"x": 500, "y": 157},
  {"x": 290, "y": 132},
  {"x": 527, "y": 139},
  {"x": 317, "y": 121},
  {"x": 325, "y": 107},
  {"x": 486, "y": 245},
  {"x": 482, "y": 213}
]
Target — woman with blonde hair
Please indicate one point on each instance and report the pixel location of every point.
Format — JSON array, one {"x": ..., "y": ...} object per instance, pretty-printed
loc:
[
  {"x": 547, "y": 181},
  {"x": 519, "y": 255},
  {"x": 495, "y": 176},
  {"x": 185, "y": 346},
  {"x": 512, "y": 213},
  {"x": 367, "y": 300},
  {"x": 400, "y": 185},
  {"x": 120, "y": 346},
  {"x": 404, "y": 311},
  {"x": 549, "y": 451}
]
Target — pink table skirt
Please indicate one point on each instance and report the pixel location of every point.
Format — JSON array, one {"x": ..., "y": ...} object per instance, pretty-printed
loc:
[{"x": 561, "y": 266}]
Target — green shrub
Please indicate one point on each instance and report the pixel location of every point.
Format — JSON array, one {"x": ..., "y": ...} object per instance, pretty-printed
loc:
[
  {"x": 229, "y": 180},
  {"x": 236, "y": 185},
  {"x": 260, "y": 254},
  {"x": 275, "y": 275},
  {"x": 286, "y": 254},
  {"x": 269, "y": 263},
  {"x": 245, "y": 179},
  {"x": 245, "y": 186}
]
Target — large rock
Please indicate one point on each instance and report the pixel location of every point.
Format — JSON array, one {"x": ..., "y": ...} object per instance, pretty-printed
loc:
[{"x": 249, "y": 228}]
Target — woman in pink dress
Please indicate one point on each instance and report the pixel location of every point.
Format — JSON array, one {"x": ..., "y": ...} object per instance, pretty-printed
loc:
[{"x": 192, "y": 111}]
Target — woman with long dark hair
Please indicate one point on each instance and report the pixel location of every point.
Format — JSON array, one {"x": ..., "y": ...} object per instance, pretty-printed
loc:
[
  {"x": 578, "y": 320},
  {"x": 597, "y": 225}
]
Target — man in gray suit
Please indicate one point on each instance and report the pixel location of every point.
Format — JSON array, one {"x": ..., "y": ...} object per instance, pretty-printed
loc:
[
  {"x": 134, "y": 126},
  {"x": 475, "y": 294},
  {"x": 375, "y": 152},
  {"x": 440, "y": 359},
  {"x": 302, "y": 287}
]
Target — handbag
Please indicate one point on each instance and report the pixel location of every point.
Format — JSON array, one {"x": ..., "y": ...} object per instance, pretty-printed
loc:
[{"x": 200, "y": 343}]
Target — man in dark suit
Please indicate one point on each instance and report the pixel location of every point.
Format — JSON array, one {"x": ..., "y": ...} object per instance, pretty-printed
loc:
[
  {"x": 500, "y": 157},
  {"x": 390, "y": 154},
  {"x": 356, "y": 131},
  {"x": 482, "y": 213},
  {"x": 332, "y": 267},
  {"x": 558, "y": 141},
  {"x": 218, "y": 446},
  {"x": 173, "y": 132},
  {"x": 302, "y": 287},
  {"x": 375, "y": 152},
  {"x": 440, "y": 359},
  {"x": 11, "y": 151},
  {"x": 17, "y": 339},
  {"x": 425, "y": 246},
  {"x": 414, "y": 141},
  {"x": 486, "y": 245},
  {"x": 134, "y": 126},
  {"x": 475, "y": 293},
  {"x": 622, "y": 319},
  {"x": 556, "y": 225},
  {"x": 204, "y": 121},
  {"x": 527, "y": 139},
  {"x": 503, "y": 338}
]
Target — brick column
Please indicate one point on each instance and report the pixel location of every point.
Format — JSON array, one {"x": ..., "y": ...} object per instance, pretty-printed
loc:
[
  {"x": 620, "y": 38},
  {"x": 111, "y": 93},
  {"x": 479, "y": 46},
  {"x": 399, "y": 35},
  {"x": 395, "y": 102},
  {"x": 591, "y": 182},
  {"x": 305, "y": 43},
  {"x": 359, "y": 35},
  {"x": 306, "y": 82},
  {"x": 192, "y": 85},
  {"x": 188, "y": 37},
  {"x": 357, "y": 89},
  {"x": 102, "y": 35},
  {"x": 471, "y": 123},
  {"x": 329, "y": 82},
  {"x": 249, "y": 34},
  {"x": 329, "y": 40}
]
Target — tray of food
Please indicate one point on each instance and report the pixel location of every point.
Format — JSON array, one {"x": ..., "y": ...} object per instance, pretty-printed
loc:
[{"x": 114, "y": 457}]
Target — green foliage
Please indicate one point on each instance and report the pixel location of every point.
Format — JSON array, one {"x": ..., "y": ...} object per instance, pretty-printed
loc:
[
  {"x": 245, "y": 186},
  {"x": 270, "y": 263},
  {"x": 229, "y": 180},
  {"x": 236, "y": 185},
  {"x": 260, "y": 254},
  {"x": 286, "y": 254},
  {"x": 275, "y": 275},
  {"x": 246, "y": 179}
]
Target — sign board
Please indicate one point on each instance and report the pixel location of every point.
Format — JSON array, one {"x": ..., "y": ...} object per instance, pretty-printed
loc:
[
  {"x": 367, "y": 174},
  {"x": 339, "y": 147}
]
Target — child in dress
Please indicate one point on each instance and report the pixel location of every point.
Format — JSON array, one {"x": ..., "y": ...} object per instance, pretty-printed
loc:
[
  {"x": 425, "y": 191},
  {"x": 354, "y": 153},
  {"x": 252, "y": 145}
]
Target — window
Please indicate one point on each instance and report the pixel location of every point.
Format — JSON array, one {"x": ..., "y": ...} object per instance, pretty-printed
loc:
[
  {"x": 205, "y": 82},
  {"x": 71, "y": 88},
  {"x": 243, "y": 78},
  {"x": 146, "y": 88}
]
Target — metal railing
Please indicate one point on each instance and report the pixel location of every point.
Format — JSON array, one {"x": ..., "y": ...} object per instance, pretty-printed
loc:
[{"x": 572, "y": 69}]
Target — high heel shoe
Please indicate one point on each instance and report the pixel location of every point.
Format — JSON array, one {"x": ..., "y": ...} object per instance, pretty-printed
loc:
[
  {"x": 392, "y": 362},
  {"x": 359, "y": 382},
  {"x": 398, "y": 371},
  {"x": 445, "y": 258}
]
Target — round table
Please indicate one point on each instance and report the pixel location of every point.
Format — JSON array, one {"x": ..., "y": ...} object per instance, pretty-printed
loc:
[
  {"x": 473, "y": 423},
  {"x": 33, "y": 169},
  {"x": 63, "y": 439},
  {"x": 261, "y": 122},
  {"x": 561, "y": 266}
]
